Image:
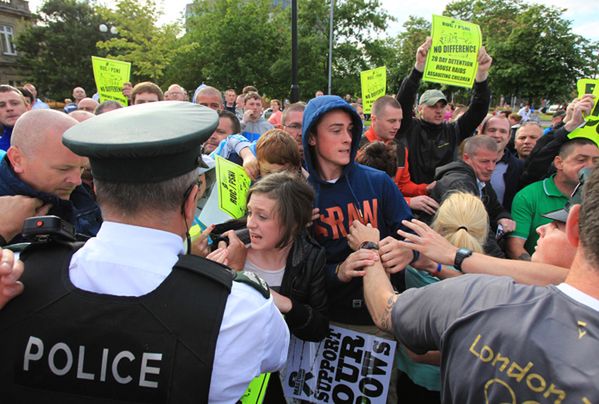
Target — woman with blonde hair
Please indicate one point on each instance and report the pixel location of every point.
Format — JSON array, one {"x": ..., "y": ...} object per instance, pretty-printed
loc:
[{"x": 464, "y": 222}]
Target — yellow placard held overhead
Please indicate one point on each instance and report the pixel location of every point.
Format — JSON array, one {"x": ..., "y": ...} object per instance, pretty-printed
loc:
[
  {"x": 374, "y": 86},
  {"x": 110, "y": 75},
  {"x": 590, "y": 129},
  {"x": 233, "y": 185},
  {"x": 452, "y": 58}
]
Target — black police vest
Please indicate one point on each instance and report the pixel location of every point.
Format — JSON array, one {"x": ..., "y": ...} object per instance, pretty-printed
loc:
[{"x": 60, "y": 344}]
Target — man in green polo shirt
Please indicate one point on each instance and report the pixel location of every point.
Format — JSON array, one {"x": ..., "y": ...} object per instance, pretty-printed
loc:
[{"x": 538, "y": 198}]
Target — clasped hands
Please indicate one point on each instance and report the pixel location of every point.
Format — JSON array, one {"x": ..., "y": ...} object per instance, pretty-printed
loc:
[{"x": 391, "y": 254}]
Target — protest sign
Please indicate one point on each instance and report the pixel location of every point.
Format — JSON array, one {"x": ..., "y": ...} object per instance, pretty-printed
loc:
[
  {"x": 109, "y": 76},
  {"x": 228, "y": 195},
  {"x": 452, "y": 58},
  {"x": 256, "y": 390},
  {"x": 590, "y": 128},
  {"x": 345, "y": 367},
  {"x": 233, "y": 184},
  {"x": 374, "y": 86}
]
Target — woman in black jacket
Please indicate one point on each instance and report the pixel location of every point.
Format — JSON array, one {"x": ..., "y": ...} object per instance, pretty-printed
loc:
[{"x": 283, "y": 253}]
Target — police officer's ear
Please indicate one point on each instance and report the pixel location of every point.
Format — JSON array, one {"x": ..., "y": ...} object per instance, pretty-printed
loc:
[{"x": 188, "y": 207}]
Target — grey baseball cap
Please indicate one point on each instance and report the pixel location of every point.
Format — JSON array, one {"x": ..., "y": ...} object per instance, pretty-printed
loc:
[{"x": 431, "y": 97}]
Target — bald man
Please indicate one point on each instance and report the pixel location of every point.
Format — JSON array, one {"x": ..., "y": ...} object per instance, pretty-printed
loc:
[
  {"x": 81, "y": 115},
  {"x": 78, "y": 95},
  {"x": 38, "y": 165},
  {"x": 87, "y": 104}
]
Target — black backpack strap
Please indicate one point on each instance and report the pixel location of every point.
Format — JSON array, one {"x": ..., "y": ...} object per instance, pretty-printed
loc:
[
  {"x": 45, "y": 275},
  {"x": 205, "y": 267},
  {"x": 191, "y": 305}
]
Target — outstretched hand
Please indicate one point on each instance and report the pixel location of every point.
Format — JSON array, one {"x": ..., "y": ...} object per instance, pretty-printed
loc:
[
  {"x": 484, "y": 63},
  {"x": 421, "y": 54},
  {"x": 427, "y": 242}
]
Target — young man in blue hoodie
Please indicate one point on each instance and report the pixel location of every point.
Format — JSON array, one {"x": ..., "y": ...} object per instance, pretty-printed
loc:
[{"x": 347, "y": 191}]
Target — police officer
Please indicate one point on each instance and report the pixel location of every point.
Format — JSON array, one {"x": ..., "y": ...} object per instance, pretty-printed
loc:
[{"x": 127, "y": 317}]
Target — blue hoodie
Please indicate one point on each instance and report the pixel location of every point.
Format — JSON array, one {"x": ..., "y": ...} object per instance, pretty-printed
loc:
[{"x": 360, "y": 192}]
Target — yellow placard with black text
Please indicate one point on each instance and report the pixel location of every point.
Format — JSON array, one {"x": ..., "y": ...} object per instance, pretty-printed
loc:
[
  {"x": 233, "y": 185},
  {"x": 109, "y": 76},
  {"x": 374, "y": 86},
  {"x": 452, "y": 57},
  {"x": 590, "y": 128}
]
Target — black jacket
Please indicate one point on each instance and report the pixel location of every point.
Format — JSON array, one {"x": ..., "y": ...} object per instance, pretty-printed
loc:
[
  {"x": 459, "y": 176},
  {"x": 511, "y": 178},
  {"x": 80, "y": 210},
  {"x": 304, "y": 283},
  {"x": 431, "y": 146}
]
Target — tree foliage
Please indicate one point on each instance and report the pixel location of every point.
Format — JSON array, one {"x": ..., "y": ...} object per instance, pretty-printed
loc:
[
  {"x": 240, "y": 43},
  {"x": 535, "y": 52},
  {"x": 232, "y": 43},
  {"x": 149, "y": 47},
  {"x": 57, "y": 52}
]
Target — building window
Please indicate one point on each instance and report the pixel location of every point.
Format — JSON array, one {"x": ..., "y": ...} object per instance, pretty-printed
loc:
[{"x": 8, "y": 46}]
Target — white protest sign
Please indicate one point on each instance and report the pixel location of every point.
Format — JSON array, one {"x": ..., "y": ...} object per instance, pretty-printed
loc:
[{"x": 346, "y": 367}]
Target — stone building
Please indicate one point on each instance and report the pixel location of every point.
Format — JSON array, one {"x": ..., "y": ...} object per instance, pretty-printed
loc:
[{"x": 14, "y": 17}]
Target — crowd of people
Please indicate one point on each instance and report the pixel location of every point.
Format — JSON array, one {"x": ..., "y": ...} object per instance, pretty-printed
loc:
[{"x": 468, "y": 235}]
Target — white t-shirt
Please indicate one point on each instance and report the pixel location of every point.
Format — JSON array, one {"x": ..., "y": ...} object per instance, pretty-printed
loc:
[{"x": 273, "y": 278}]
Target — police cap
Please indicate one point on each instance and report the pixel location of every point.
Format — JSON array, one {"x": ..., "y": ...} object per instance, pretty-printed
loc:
[{"x": 151, "y": 142}]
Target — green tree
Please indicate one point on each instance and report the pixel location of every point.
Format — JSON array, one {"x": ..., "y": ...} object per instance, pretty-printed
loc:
[
  {"x": 237, "y": 43},
  {"x": 243, "y": 43},
  {"x": 536, "y": 54},
  {"x": 357, "y": 46},
  {"x": 57, "y": 52},
  {"x": 415, "y": 31},
  {"x": 150, "y": 48}
]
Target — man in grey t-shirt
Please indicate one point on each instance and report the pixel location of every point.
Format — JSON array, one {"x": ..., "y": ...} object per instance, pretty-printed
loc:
[{"x": 501, "y": 341}]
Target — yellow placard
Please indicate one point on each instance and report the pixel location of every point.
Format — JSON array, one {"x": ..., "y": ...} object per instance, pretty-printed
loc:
[
  {"x": 109, "y": 76},
  {"x": 233, "y": 184},
  {"x": 590, "y": 129},
  {"x": 374, "y": 86},
  {"x": 256, "y": 390},
  {"x": 589, "y": 86},
  {"x": 452, "y": 58}
]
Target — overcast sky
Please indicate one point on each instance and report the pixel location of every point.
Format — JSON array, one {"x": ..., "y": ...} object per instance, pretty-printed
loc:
[{"x": 583, "y": 13}]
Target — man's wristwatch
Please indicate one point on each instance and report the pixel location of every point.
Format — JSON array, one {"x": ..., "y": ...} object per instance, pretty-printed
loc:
[
  {"x": 460, "y": 256},
  {"x": 369, "y": 245}
]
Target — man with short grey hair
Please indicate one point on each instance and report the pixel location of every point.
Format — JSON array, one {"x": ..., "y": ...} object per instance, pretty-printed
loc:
[
  {"x": 473, "y": 174},
  {"x": 210, "y": 97}
]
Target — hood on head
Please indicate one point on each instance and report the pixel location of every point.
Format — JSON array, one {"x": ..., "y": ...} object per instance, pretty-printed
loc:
[{"x": 316, "y": 109}]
